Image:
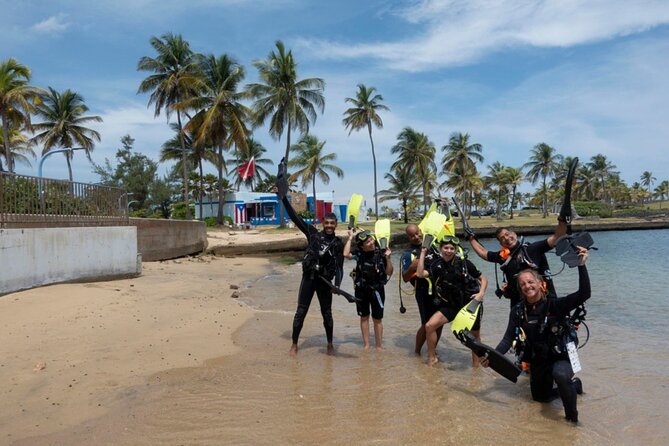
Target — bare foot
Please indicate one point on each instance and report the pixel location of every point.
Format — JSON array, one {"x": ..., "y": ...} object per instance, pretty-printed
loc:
[
  {"x": 379, "y": 348},
  {"x": 293, "y": 350},
  {"x": 432, "y": 361},
  {"x": 365, "y": 347},
  {"x": 330, "y": 350}
]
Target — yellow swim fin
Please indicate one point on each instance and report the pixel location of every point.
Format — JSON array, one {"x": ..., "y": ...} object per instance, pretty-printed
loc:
[
  {"x": 430, "y": 211},
  {"x": 433, "y": 225},
  {"x": 382, "y": 232},
  {"x": 353, "y": 209},
  {"x": 466, "y": 317}
]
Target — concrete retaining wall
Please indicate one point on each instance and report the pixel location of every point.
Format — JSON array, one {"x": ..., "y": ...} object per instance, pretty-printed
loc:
[
  {"x": 168, "y": 239},
  {"x": 34, "y": 257}
]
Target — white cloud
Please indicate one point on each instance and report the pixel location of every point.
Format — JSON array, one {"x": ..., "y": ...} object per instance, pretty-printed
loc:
[
  {"x": 53, "y": 25},
  {"x": 460, "y": 32}
]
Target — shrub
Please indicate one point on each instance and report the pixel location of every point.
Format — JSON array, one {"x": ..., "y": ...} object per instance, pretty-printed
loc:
[
  {"x": 593, "y": 209},
  {"x": 211, "y": 221}
]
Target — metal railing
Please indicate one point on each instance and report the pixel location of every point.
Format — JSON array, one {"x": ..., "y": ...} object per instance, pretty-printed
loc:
[{"x": 27, "y": 201}]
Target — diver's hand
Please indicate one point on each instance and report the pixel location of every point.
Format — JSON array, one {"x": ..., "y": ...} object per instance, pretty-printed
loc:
[
  {"x": 387, "y": 252},
  {"x": 469, "y": 234},
  {"x": 582, "y": 255},
  {"x": 483, "y": 360}
]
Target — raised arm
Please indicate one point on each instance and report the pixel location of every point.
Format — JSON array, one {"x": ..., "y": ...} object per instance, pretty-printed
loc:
[
  {"x": 420, "y": 270},
  {"x": 583, "y": 293},
  {"x": 389, "y": 263},
  {"x": 559, "y": 232},
  {"x": 301, "y": 224},
  {"x": 347, "y": 245},
  {"x": 478, "y": 248}
]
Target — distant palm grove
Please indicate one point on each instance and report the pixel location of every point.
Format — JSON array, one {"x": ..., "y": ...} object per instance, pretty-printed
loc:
[{"x": 213, "y": 116}]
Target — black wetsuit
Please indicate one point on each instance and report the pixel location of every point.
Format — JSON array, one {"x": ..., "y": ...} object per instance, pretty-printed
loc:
[
  {"x": 324, "y": 256},
  {"x": 453, "y": 284},
  {"x": 546, "y": 352},
  {"x": 426, "y": 307},
  {"x": 369, "y": 282},
  {"x": 523, "y": 256}
]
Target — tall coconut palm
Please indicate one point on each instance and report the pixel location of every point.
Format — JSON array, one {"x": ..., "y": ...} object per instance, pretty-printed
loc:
[
  {"x": 513, "y": 177},
  {"x": 543, "y": 163},
  {"x": 415, "y": 156},
  {"x": 363, "y": 114},
  {"x": 647, "y": 179},
  {"x": 64, "y": 124},
  {"x": 496, "y": 180},
  {"x": 312, "y": 162},
  {"x": 404, "y": 186},
  {"x": 467, "y": 184},
  {"x": 221, "y": 116},
  {"x": 601, "y": 169},
  {"x": 254, "y": 150},
  {"x": 16, "y": 103},
  {"x": 197, "y": 154},
  {"x": 460, "y": 153},
  {"x": 286, "y": 101},
  {"x": 175, "y": 78}
]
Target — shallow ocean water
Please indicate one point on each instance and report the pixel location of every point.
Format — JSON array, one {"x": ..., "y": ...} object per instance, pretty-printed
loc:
[{"x": 261, "y": 396}]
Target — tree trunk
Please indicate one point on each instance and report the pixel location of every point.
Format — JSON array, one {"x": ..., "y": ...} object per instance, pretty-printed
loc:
[
  {"x": 545, "y": 198},
  {"x": 406, "y": 212},
  {"x": 5, "y": 143},
  {"x": 184, "y": 162},
  {"x": 201, "y": 188},
  {"x": 313, "y": 188},
  {"x": 513, "y": 196},
  {"x": 220, "y": 186},
  {"x": 376, "y": 203},
  {"x": 282, "y": 219},
  {"x": 69, "y": 164}
]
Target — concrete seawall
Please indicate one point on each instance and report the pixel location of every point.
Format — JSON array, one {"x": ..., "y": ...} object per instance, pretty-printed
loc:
[
  {"x": 41, "y": 256},
  {"x": 167, "y": 239}
]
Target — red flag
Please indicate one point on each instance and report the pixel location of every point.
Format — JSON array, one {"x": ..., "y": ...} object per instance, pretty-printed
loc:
[{"x": 247, "y": 169}]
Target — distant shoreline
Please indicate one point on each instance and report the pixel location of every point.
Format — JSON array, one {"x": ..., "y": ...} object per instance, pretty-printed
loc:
[{"x": 260, "y": 245}]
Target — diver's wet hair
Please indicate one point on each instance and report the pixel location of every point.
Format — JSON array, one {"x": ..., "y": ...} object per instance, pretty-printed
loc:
[
  {"x": 538, "y": 277},
  {"x": 499, "y": 231},
  {"x": 330, "y": 216}
]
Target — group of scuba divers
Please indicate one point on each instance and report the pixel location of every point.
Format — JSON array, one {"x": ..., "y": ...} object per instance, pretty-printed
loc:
[{"x": 448, "y": 288}]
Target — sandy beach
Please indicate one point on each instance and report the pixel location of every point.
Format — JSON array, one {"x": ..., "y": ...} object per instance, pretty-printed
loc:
[{"x": 70, "y": 350}]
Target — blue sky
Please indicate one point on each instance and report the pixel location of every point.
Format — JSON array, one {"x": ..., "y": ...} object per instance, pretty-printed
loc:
[{"x": 586, "y": 77}]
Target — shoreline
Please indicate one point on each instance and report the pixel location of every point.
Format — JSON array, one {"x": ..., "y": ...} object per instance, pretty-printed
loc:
[{"x": 263, "y": 241}]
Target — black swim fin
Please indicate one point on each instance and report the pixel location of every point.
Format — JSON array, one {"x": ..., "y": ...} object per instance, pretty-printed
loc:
[
  {"x": 567, "y": 247},
  {"x": 335, "y": 289},
  {"x": 282, "y": 180},
  {"x": 565, "y": 210}
]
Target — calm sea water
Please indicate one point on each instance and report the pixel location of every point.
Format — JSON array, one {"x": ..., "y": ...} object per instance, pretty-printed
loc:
[{"x": 261, "y": 396}]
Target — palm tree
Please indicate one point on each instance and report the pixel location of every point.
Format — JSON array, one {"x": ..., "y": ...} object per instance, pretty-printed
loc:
[
  {"x": 467, "y": 184},
  {"x": 601, "y": 168},
  {"x": 175, "y": 78},
  {"x": 647, "y": 179},
  {"x": 254, "y": 150},
  {"x": 288, "y": 103},
  {"x": 64, "y": 124},
  {"x": 15, "y": 103},
  {"x": 197, "y": 153},
  {"x": 460, "y": 153},
  {"x": 662, "y": 191},
  {"x": 415, "y": 156},
  {"x": 404, "y": 186},
  {"x": 312, "y": 163},
  {"x": 221, "y": 116},
  {"x": 513, "y": 177},
  {"x": 496, "y": 178},
  {"x": 543, "y": 163},
  {"x": 364, "y": 113},
  {"x": 19, "y": 147}
]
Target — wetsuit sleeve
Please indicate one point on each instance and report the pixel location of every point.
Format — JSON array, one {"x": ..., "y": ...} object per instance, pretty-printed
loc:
[
  {"x": 541, "y": 246},
  {"x": 339, "y": 258},
  {"x": 505, "y": 344},
  {"x": 568, "y": 303},
  {"x": 302, "y": 226},
  {"x": 494, "y": 257}
]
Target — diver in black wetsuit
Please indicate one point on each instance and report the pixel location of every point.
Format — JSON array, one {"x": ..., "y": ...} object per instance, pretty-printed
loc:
[
  {"x": 516, "y": 256},
  {"x": 324, "y": 257},
  {"x": 546, "y": 332}
]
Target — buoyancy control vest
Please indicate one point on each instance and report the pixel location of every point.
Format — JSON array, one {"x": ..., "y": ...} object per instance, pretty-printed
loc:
[
  {"x": 543, "y": 334},
  {"x": 453, "y": 282},
  {"x": 321, "y": 255},
  {"x": 370, "y": 270}
]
